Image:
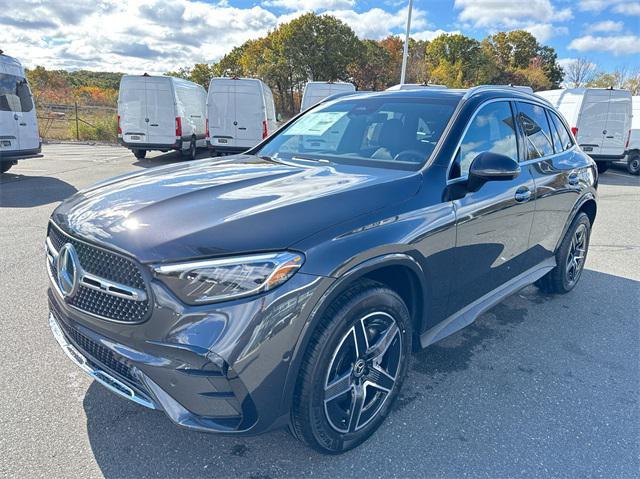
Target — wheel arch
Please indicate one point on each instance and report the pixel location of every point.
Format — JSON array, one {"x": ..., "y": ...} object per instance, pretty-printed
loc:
[
  {"x": 399, "y": 272},
  {"x": 587, "y": 204}
]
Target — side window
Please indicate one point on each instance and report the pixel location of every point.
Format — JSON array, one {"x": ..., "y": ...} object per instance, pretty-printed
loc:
[
  {"x": 555, "y": 135},
  {"x": 565, "y": 137},
  {"x": 535, "y": 127},
  {"x": 492, "y": 129}
]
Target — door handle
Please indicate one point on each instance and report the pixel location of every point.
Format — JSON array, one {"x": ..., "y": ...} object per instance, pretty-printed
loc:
[
  {"x": 523, "y": 194},
  {"x": 610, "y": 136},
  {"x": 242, "y": 128},
  {"x": 573, "y": 179},
  {"x": 23, "y": 124},
  {"x": 153, "y": 124}
]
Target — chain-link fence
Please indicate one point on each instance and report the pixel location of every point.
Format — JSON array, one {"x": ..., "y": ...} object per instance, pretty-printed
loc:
[{"x": 77, "y": 122}]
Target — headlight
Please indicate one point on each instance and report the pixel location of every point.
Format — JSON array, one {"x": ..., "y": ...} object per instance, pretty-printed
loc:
[{"x": 209, "y": 281}]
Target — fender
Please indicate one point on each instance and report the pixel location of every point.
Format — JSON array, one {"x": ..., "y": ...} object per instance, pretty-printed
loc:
[
  {"x": 338, "y": 287},
  {"x": 574, "y": 211}
]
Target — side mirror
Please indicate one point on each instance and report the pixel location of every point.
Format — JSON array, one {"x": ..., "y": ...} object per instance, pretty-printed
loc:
[{"x": 489, "y": 166}]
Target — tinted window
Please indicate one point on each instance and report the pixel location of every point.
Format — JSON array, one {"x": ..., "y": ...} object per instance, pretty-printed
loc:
[
  {"x": 561, "y": 130},
  {"x": 377, "y": 131},
  {"x": 491, "y": 129},
  {"x": 14, "y": 94},
  {"x": 536, "y": 131}
]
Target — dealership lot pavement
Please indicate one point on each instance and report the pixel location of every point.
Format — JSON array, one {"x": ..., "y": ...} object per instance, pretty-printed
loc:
[{"x": 537, "y": 387}]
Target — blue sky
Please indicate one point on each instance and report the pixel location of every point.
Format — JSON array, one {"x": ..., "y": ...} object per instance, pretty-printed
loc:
[{"x": 159, "y": 35}]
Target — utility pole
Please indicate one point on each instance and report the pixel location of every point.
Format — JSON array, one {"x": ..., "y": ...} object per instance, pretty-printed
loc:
[{"x": 405, "y": 54}]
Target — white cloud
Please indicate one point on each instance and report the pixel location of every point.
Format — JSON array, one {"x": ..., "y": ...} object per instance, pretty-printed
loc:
[
  {"x": 606, "y": 26},
  {"x": 619, "y": 6},
  {"x": 314, "y": 5},
  {"x": 632, "y": 8},
  {"x": 509, "y": 13},
  {"x": 429, "y": 35},
  {"x": 377, "y": 23},
  {"x": 544, "y": 31},
  {"x": 617, "y": 45},
  {"x": 565, "y": 62}
]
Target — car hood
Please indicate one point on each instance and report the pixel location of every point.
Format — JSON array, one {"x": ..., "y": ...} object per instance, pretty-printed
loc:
[{"x": 220, "y": 206}]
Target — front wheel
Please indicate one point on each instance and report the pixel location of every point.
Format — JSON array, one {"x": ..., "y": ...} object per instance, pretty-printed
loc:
[
  {"x": 353, "y": 369},
  {"x": 570, "y": 258},
  {"x": 633, "y": 163}
]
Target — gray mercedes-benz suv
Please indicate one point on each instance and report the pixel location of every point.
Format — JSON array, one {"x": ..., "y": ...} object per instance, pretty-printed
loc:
[{"x": 288, "y": 285}]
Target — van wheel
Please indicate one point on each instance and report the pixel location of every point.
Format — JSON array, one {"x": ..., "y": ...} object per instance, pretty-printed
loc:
[
  {"x": 570, "y": 258},
  {"x": 191, "y": 153},
  {"x": 603, "y": 166},
  {"x": 353, "y": 369},
  {"x": 140, "y": 154},
  {"x": 5, "y": 166},
  {"x": 633, "y": 163}
]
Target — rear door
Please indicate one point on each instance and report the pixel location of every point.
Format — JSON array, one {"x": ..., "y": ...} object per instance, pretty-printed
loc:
[
  {"x": 618, "y": 124},
  {"x": 249, "y": 113},
  {"x": 221, "y": 112},
  {"x": 28, "y": 135},
  {"x": 132, "y": 108},
  {"x": 593, "y": 121},
  {"x": 161, "y": 112},
  {"x": 9, "y": 103}
]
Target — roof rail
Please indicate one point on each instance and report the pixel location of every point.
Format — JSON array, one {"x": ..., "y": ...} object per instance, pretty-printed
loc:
[{"x": 473, "y": 90}]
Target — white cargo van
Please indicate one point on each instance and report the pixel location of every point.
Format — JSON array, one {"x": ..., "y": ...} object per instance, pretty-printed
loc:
[
  {"x": 240, "y": 114},
  {"x": 633, "y": 145},
  {"x": 316, "y": 91},
  {"x": 19, "y": 137},
  {"x": 600, "y": 119},
  {"x": 161, "y": 113}
]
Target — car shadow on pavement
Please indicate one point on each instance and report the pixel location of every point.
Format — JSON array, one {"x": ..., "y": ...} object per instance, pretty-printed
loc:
[
  {"x": 25, "y": 191},
  {"x": 520, "y": 392}
]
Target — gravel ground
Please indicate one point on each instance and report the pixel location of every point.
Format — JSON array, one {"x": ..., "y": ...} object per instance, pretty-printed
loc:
[{"x": 537, "y": 387}]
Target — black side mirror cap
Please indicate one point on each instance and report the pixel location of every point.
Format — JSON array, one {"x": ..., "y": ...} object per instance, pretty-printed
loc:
[{"x": 488, "y": 166}]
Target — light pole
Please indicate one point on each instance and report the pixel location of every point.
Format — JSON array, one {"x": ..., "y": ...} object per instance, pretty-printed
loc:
[{"x": 405, "y": 54}]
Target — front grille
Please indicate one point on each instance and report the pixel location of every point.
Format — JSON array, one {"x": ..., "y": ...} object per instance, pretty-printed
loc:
[
  {"x": 96, "y": 352},
  {"x": 110, "y": 266}
]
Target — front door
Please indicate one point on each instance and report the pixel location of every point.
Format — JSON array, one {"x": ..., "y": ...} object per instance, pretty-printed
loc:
[{"x": 494, "y": 222}]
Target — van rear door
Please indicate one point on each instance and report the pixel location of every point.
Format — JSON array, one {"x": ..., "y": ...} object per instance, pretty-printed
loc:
[
  {"x": 593, "y": 121},
  {"x": 28, "y": 135},
  {"x": 618, "y": 124},
  {"x": 221, "y": 112},
  {"x": 250, "y": 113},
  {"x": 9, "y": 103},
  {"x": 161, "y": 111},
  {"x": 132, "y": 108}
]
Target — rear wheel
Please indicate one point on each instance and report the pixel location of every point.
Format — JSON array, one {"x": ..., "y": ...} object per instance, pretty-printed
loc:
[
  {"x": 570, "y": 258},
  {"x": 633, "y": 163},
  {"x": 190, "y": 154},
  {"x": 5, "y": 166},
  {"x": 603, "y": 166},
  {"x": 140, "y": 154},
  {"x": 353, "y": 369}
]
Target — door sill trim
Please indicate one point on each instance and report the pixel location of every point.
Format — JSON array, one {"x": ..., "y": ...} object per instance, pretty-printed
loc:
[{"x": 469, "y": 313}]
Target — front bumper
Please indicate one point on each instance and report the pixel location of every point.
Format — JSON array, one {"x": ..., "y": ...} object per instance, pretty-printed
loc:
[{"x": 219, "y": 368}]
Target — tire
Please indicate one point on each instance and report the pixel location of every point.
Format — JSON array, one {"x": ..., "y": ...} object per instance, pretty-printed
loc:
[
  {"x": 564, "y": 277},
  {"x": 368, "y": 309},
  {"x": 603, "y": 166},
  {"x": 191, "y": 153},
  {"x": 5, "y": 166},
  {"x": 140, "y": 154},
  {"x": 633, "y": 163}
]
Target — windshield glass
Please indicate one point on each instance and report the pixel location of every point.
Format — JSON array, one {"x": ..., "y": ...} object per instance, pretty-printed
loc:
[
  {"x": 388, "y": 132},
  {"x": 14, "y": 94}
]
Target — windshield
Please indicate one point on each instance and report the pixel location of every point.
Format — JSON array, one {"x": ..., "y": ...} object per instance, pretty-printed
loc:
[
  {"x": 388, "y": 132},
  {"x": 14, "y": 94}
]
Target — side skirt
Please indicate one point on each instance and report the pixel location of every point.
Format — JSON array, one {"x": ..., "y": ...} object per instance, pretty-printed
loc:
[{"x": 468, "y": 314}]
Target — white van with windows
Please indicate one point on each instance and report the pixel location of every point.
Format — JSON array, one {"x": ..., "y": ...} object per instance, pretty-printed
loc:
[
  {"x": 633, "y": 143},
  {"x": 240, "y": 114},
  {"x": 161, "y": 113},
  {"x": 19, "y": 137},
  {"x": 316, "y": 91},
  {"x": 600, "y": 119}
]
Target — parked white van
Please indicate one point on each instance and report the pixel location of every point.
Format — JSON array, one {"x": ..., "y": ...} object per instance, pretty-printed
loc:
[
  {"x": 633, "y": 145},
  {"x": 240, "y": 114},
  {"x": 316, "y": 91},
  {"x": 599, "y": 118},
  {"x": 161, "y": 113},
  {"x": 19, "y": 137}
]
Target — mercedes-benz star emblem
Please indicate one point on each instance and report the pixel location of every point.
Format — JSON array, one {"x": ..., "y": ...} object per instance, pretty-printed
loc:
[{"x": 68, "y": 269}]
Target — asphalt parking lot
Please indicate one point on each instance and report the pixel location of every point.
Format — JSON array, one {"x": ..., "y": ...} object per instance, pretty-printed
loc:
[{"x": 537, "y": 387}]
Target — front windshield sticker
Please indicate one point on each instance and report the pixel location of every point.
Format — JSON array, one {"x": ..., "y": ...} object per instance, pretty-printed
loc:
[{"x": 315, "y": 124}]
